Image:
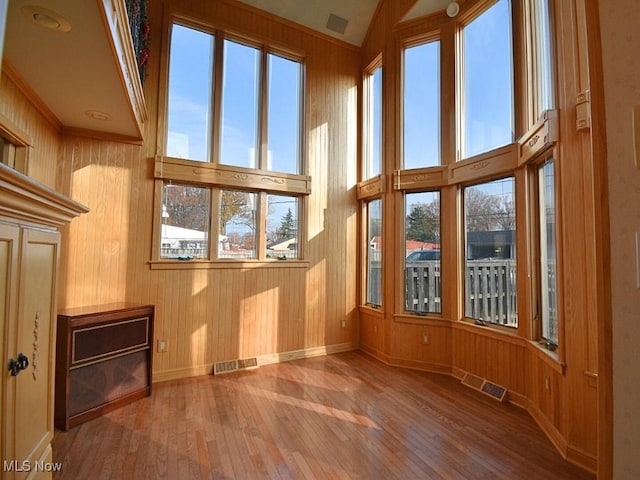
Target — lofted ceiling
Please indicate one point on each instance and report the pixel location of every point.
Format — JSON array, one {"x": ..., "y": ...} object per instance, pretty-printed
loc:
[
  {"x": 74, "y": 74},
  {"x": 314, "y": 14}
]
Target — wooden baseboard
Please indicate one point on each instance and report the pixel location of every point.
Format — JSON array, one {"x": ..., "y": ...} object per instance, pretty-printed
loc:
[
  {"x": 582, "y": 459},
  {"x": 207, "y": 369},
  {"x": 549, "y": 429},
  {"x": 423, "y": 366}
]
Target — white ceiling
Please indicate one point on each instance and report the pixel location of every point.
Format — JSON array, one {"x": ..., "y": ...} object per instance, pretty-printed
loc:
[
  {"x": 74, "y": 72},
  {"x": 315, "y": 13}
]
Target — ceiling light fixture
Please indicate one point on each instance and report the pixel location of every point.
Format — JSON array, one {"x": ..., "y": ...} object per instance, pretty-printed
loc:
[
  {"x": 98, "y": 115},
  {"x": 46, "y": 18}
]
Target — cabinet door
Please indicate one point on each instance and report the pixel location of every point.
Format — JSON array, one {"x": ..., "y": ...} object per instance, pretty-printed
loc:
[
  {"x": 35, "y": 337},
  {"x": 9, "y": 236}
]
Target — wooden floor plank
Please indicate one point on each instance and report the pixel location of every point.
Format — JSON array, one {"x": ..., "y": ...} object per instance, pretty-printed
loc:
[{"x": 343, "y": 416}]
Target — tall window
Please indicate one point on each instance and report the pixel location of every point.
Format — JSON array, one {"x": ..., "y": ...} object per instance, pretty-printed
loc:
[
  {"x": 373, "y": 123},
  {"x": 190, "y": 102},
  {"x": 490, "y": 252},
  {"x": 226, "y": 141},
  {"x": 548, "y": 313},
  {"x": 544, "y": 58},
  {"x": 421, "y": 105},
  {"x": 422, "y": 252},
  {"x": 487, "y": 81},
  {"x": 374, "y": 253}
]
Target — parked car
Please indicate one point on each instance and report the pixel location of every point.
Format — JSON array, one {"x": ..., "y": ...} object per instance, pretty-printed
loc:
[{"x": 422, "y": 255}]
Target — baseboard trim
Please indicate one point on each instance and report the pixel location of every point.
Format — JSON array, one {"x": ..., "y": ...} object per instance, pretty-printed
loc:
[
  {"x": 582, "y": 459},
  {"x": 207, "y": 369}
]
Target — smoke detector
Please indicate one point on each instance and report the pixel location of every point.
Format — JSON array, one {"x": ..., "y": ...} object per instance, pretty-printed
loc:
[{"x": 452, "y": 9}]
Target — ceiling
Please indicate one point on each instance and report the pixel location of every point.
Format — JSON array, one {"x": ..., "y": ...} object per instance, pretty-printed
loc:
[
  {"x": 74, "y": 72},
  {"x": 314, "y": 14}
]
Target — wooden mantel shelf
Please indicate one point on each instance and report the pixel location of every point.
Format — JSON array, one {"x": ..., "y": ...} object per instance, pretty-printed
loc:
[{"x": 26, "y": 199}]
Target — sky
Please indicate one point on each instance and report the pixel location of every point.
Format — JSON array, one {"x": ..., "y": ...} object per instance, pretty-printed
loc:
[{"x": 487, "y": 97}]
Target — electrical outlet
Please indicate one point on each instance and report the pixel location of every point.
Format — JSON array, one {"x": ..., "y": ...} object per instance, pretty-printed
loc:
[
  {"x": 425, "y": 339},
  {"x": 344, "y": 324},
  {"x": 162, "y": 346}
]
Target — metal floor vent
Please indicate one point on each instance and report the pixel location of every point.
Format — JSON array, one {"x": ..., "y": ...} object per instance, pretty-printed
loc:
[
  {"x": 488, "y": 388},
  {"x": 233, "y": 365}
]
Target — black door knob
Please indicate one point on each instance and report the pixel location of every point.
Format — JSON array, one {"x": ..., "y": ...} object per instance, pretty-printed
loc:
[{"x": 16, "y": 366}]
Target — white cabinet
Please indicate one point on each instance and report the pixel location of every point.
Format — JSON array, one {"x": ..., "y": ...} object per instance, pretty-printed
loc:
[{"x": 30, "y": 215}]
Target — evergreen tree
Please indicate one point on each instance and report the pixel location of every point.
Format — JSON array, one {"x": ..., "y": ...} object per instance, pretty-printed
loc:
[{"x": 287, "y": 226}]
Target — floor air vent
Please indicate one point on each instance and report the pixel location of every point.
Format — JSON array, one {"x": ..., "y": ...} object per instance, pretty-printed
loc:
[
  {"x": 233, "y": 365},
  {"x": 484, "y": 386}
]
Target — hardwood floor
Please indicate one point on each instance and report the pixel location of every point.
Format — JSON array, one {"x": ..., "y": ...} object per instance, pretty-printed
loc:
[{"x": 340, "y": 416}]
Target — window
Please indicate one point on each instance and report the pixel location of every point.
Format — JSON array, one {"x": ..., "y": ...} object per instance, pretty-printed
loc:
[
  {"x": 238, "y": 213},
  {"x": 490, "y": 252},
  {"x": 374, "y": 252},
  {"x": 544, "y": 55},
  {"x": 185, "y": 222},
  {"x": 232, "y": 169},
  {"x": 487, "y": 81},
  {"x": 422, "y": 252},
  {"x": 282, "y": 226},
  {"x": 548, "y": 313},
  {"x": 421, "y": 105},
  {"x": 189, "y": 110},
  {"x": 373, "y": 123}
]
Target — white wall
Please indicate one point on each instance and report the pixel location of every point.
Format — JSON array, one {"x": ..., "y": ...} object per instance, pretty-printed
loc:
[{"x": 620, "y": 32}]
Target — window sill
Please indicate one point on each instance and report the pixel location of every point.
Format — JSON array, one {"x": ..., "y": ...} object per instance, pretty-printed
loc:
[
  {"x": 428, "y": 319},
  {"x": 225, "y": 264},
  {"x": 552, "y": 359},
  {"x": 371, "y": 310}
]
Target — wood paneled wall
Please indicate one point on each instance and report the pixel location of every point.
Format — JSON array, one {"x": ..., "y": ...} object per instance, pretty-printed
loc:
[
  {"x": 560, "y": 393},
  {"x": 44, "y": 138},
  {"x": 210, "y": 315}
]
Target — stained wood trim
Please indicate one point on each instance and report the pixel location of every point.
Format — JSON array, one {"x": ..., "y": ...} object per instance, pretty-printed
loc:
[
  {"x": 540, "y": 137},
  {"x": 497, "y": 162},
  {"x": 371, "y": 188},
  {"x": 22, "y": 85},
  {"x": 268, "y": 359},
  {"x": 101, "y": 135},
  {"x": 227, "y": 176},
  {"x": 225, "y": 264},
  {"x": 114, "y": 18},
  {"x": 420, "y": 178},
  {"x": 27, "y": 199}
]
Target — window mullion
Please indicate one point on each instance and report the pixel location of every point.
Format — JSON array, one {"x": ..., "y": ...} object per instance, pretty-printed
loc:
[
  {"x": 261, "y": 226},
  {"x": 216, "y": 114},
  {"x": 263, "y": 147}
]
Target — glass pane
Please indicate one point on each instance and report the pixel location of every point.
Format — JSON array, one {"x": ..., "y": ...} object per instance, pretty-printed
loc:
[
  {"x": 422, "y": 252},
  {"x": 240, "y": 94},
  {"x": 548, "y": 252},
  {"x": 373, "y": 118},
  {"x": 487, "y": 81},
  {"x": 544, "y": 60},
  {"x": 490, "y": 252},
  {"x": 237, "y": 224},
  {"x": 190, "y": 90},
  {"x": 284, "y": 115},
  {"x": 374, "y": 255},
  {"x": 282, "y": 227},
  {"x": 422, "y": 106},
  {"x": 185, "y": 221}
]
